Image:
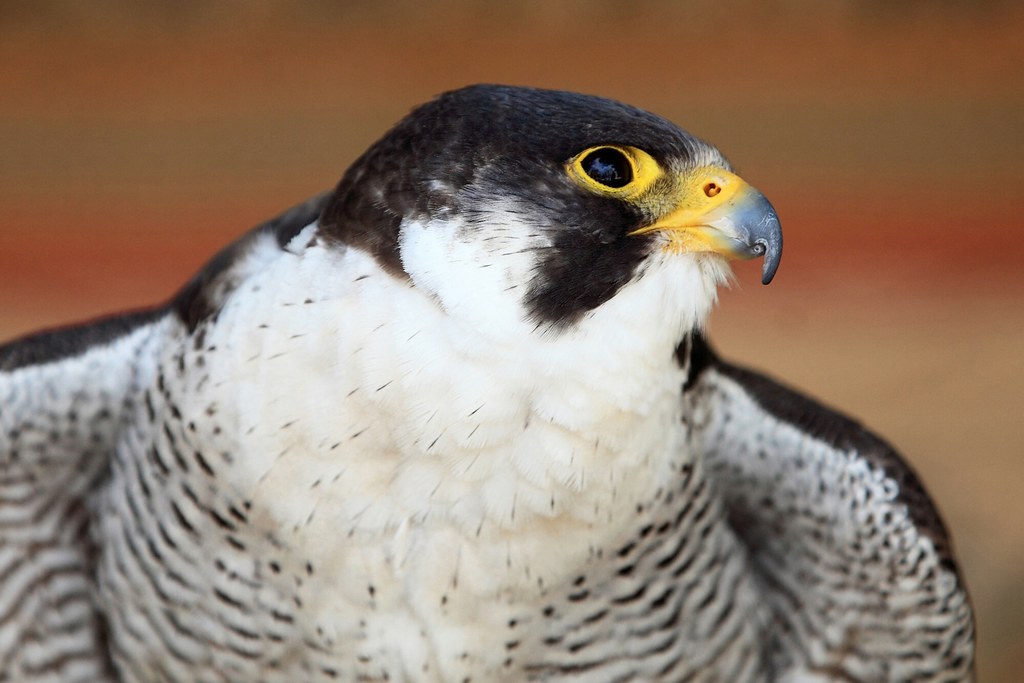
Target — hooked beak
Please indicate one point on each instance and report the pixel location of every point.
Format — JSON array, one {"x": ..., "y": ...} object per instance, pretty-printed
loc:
[{"x": 719, "y": 212}]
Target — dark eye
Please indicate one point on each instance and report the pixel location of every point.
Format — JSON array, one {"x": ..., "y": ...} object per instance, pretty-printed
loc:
[{"x": 608, "y": 166}]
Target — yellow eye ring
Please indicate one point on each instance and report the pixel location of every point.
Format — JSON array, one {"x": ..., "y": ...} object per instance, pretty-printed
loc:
[{"x": 614, "y": 170}]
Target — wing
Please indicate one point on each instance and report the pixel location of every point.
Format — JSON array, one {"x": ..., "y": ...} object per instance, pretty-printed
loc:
[
  {"x": 63, "y": 395},
  {"x": 851, "y": 554}
]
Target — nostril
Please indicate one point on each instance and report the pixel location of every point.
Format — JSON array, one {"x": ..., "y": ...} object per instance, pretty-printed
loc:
[{"x": 712, "y": 189}]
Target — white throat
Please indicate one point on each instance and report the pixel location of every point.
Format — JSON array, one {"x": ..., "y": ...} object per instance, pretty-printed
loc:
[
  {"x": 444, "y": 397},
  {"x": 532, "y": 411}
]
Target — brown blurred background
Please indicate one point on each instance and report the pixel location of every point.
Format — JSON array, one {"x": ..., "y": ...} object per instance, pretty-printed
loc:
[{"x": 136, "y": 138}]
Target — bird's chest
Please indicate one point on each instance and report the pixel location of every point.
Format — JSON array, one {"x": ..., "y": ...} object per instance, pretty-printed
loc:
[{"x": 437, "y": 532}]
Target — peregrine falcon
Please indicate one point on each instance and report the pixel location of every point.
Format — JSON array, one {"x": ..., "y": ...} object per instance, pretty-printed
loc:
[{"x": 455, "y": 420}]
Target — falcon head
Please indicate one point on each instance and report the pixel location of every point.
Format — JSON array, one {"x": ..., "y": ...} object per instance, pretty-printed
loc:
[{"x": 524, "y": 210}]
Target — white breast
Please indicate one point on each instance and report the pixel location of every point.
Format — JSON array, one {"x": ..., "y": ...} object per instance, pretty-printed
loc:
[{"x": 434, "y": 473}]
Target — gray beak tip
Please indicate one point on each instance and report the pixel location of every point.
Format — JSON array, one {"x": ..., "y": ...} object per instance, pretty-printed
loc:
[
  {"x": 768, "y": 243},
  {"x": 772, "y": 258}
]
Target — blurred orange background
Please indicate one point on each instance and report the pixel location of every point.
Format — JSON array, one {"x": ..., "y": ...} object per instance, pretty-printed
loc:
[{"x": 137, "y": 138}]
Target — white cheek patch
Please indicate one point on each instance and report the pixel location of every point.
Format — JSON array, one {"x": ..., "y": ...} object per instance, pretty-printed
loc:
[
  {"x": 424, "y": 255},
  {"x": 479, "y": 280}
]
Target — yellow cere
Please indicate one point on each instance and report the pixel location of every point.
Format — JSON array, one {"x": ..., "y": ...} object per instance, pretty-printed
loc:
[{"x": 702, "y": 196}]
